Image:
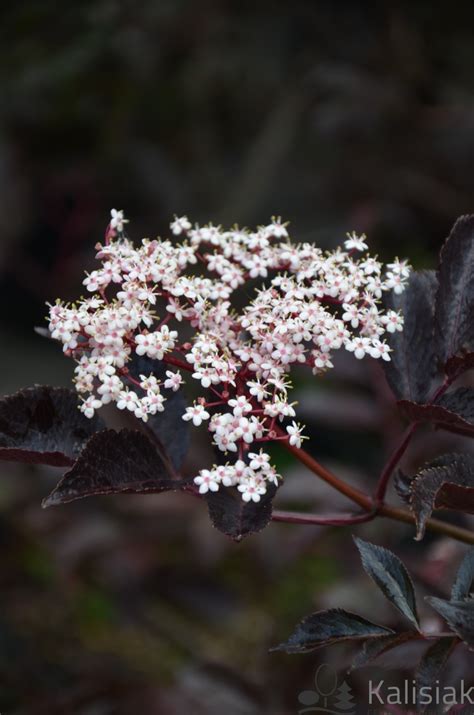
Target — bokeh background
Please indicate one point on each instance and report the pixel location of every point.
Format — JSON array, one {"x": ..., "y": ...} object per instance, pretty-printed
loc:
[{"x": 336, "y": 116}]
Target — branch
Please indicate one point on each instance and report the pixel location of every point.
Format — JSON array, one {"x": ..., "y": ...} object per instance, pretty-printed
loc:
[
  {"x": 294, "y": 517},
  {"x": 371, "y": 506},
  {"x": 395, "y": 458},
  {"x": 352, "y": 493},
  {"x": 393, "y": 462}
]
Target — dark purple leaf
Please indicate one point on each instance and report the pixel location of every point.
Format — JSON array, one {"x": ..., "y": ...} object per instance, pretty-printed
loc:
[
  {"x": 43, "y": 425},
  {"x": 115, "y": 463},
  {"x": 324, "y": 628},
  {"x": 460, "y": 363},
  {"x": 236, "y": 518},
  {"x": 454, "y": 312},
  {"x": 459, "y": 615},
  {"x": 464, "y": 582},
  {"x": 413, "y": 364},
  {"x": 375, "y": 647},
  {"x": 168, "y": 426},
  {"x": 391, "y": 576},
  {"x": 446, "y": 483},
  {"x": 431, "y": 666},
  {"x": 453, "y": 410},
  {"x": 402, "y": 483}
]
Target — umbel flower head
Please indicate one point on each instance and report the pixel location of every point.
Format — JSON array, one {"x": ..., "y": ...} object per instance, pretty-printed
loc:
[{"x": 172, "y": 301}]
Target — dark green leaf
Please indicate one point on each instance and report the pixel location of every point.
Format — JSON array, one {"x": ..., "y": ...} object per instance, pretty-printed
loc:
[
  {"x": 391, "y": 576},
  {"x": 115, "y": 463},
  {"x": 413, "y": 364},
  {"x": 459, "y": 615},
  {"x": 236, "y": 518},
  {"x": 327, "y": 627},
  {"x": 464, "y": 582},
  {"x": 454, "y": 313},
  {"x": 43, "y": 425}
]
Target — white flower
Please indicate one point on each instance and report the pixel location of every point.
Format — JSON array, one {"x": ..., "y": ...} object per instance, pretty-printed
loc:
[
  {"x": 89, "y": 406},
  {"x": 197, "y": 413},
  {"x": 257, "y": 390},
  {"x": 206, "y": 376},
  {"x": 259, "y": 460},
  {"x": 207, "y": 481},
  {"x": 156, "y": 344},
  {"x": 272, "y": 476},
  {"x": 240, "y": 406},
  {"x": 252, "y": 490},
  {"x": 399, "y": 268},
  {"x": 174, "y": 380},
  {"x": 234, "y": 473},
  {"x": 128, "y": 400},
  {"x": 393, "y": 321},
  {"x": 351, "y": 314},
  {"x": 175, "y": 308},
  {"x": 145, "y": 345},
  {"x": 295, "y": 432},
  {"x": 117, "y": 220},
  {"x": 359, "y": 346},
  {"x": 355, "y": 242},
  {"x": 110, "y": 388},
  {"x": 149, "y": 383},
  {"x": 180, "y": 225},
  {"x": 380, "y": 350},
  {"x": 395, "y": 282},
  {"x": 152, "y": 403},
  {"x": 277, "y": 229},
  {"x": 279, "y": 408}
]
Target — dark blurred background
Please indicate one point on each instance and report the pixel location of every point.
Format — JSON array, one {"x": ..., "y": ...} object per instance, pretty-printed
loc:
[{"x": 337, "y": 116}]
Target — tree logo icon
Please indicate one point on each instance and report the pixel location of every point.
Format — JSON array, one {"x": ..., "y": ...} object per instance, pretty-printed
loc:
[{"x": 329, "y": 696}]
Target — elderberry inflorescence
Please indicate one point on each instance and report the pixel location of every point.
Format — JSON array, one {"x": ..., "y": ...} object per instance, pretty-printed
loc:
[{"x": 314, "y": 302}]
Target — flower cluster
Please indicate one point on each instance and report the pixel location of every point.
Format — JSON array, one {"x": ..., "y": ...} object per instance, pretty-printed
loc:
[
  {"x": 170, "y": 301},
  {"x": 251, "y": 479}
]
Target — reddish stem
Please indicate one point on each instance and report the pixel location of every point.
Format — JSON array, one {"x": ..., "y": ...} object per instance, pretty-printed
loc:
[
  {"x": 293, "y": 517},
  {"x": 169, "y": 360},
  {"x": 393, "y": 462},
  {"x": 396, "y": 456},
  {"x": 369, "y": 504},
  {"x": 352, "y": 493}
]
